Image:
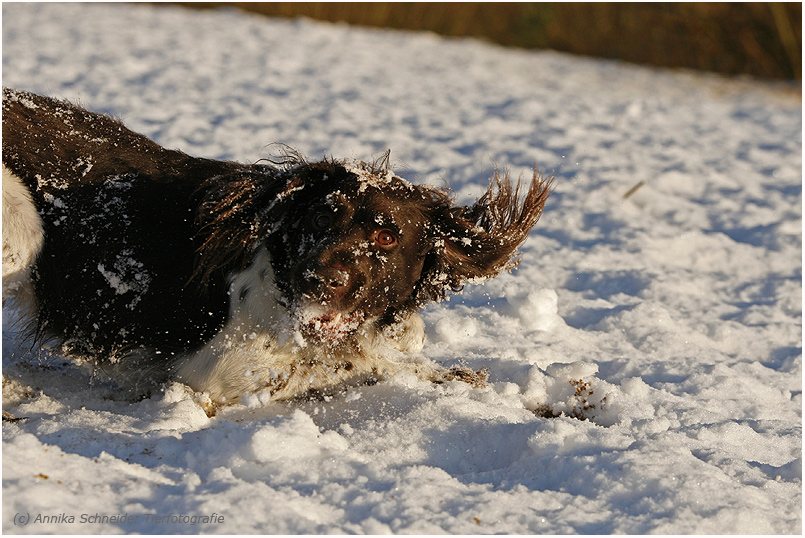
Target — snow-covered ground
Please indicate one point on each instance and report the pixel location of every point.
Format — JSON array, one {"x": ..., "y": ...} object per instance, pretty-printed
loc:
[{"x": 670, "y": 318}]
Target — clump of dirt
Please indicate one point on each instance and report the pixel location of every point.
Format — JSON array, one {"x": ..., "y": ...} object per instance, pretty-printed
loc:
[{"x": 578, "y": 406}]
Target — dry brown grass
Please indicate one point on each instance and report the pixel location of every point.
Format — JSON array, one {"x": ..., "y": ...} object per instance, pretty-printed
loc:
[{"x": 758, "y": 39}]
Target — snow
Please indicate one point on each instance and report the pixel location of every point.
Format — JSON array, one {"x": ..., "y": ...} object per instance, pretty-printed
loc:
[{"x": 658, "y": 335}]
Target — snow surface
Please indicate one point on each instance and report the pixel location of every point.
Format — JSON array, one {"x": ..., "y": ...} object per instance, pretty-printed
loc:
[{"x": 670, "y": 319}]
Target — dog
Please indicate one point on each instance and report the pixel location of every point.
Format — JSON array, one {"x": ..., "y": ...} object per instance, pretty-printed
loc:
[{"x": 284, "y": 277}]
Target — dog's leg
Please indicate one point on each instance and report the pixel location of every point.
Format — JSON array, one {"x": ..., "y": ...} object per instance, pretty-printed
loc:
[
  {"x": 408, "y": 336},
  {"x": 23, "y": 236}
]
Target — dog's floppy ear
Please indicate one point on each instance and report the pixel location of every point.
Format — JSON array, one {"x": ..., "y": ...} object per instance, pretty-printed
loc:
[
  {"x": 474, "y": 243},
  {"x": 237, "y": 211}
]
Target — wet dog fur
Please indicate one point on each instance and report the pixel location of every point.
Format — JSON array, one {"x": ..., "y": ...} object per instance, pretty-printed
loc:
[{"x": 286, "y": 277}]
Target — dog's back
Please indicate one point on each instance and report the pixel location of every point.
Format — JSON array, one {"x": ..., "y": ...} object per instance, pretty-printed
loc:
[{"x": 101, "y": 211}]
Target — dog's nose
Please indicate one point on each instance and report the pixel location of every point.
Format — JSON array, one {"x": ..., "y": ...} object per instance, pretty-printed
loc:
[
  {"x": 328, "y": 281},
  {"x": 333, "y": 277}
]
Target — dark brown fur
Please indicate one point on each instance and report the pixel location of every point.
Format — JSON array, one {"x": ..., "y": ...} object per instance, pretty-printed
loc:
[
  {"x": 462, "y": 243},
  {"x": 148, "y": 253}
]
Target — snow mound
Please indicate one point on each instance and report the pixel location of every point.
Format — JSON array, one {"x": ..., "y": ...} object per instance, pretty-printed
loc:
[{"x": 537, "y": 310}]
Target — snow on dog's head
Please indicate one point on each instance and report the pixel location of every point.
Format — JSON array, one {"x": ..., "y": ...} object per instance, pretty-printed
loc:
[{"x": 352, "y": 244}]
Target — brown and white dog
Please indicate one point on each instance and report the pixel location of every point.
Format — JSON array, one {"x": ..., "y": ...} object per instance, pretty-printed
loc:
[{"x": 289, "y": 277}]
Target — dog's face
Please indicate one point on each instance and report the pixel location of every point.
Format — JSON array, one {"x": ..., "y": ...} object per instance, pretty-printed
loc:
[
  {"x": 352, "y": 249},
  {"x": 352, "y": 244}
]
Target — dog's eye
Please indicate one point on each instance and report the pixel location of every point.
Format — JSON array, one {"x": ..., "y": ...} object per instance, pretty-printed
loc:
[
  {"x": 323, "y": 221},
  {"x": 385, "y": 238}
]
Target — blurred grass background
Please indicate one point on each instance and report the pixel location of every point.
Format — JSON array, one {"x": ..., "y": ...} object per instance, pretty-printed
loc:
[{"x": 761, "y": 39}]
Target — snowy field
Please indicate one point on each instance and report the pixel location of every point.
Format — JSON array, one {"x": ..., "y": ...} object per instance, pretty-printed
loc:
[{"x": 670, "y": 319}]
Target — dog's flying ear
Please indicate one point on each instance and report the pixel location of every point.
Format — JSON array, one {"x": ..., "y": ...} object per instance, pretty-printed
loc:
[{"x": 474, "y": 243}]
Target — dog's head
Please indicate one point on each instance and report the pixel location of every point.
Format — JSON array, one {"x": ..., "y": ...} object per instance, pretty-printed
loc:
[{"x": 352, "y": 243}]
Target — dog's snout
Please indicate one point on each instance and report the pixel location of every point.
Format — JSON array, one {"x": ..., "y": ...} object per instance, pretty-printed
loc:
[
  {"x": 332, "y": 277},
  {"x": 327, "y": 281}
]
